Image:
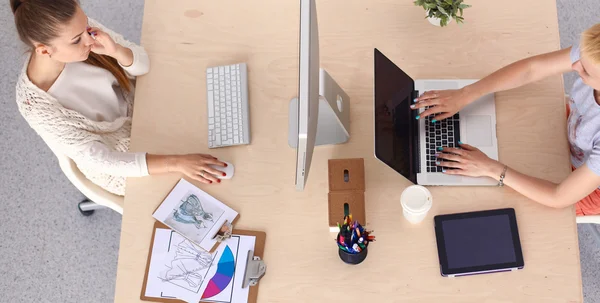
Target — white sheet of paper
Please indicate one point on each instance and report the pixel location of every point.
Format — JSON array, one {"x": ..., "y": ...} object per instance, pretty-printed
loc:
[
  {"x": 175, "y": 271},
  {"x": 194, "y": 214}
]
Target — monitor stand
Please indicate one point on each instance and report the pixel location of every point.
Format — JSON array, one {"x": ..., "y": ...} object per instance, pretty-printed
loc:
[{"x": 334, "y": 114}]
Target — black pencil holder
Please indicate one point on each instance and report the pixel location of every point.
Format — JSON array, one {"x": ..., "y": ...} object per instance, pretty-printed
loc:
[{"x": 353, "y": 259}]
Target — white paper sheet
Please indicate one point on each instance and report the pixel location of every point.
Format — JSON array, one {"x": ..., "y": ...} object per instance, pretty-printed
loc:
[
  {"x": 177, "y": 269},
  {"x": 172, "y": 275},
  {"x": 194, "y": 214}
]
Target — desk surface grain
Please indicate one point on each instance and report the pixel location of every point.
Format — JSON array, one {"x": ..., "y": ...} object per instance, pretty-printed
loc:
[{"x": 184, "y": 37}]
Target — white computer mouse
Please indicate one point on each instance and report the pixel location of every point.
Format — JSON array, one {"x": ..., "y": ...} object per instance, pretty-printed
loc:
[{"x": 229, "y": 170}]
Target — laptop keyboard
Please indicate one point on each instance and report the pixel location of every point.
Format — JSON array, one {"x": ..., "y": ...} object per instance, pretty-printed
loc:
[{"x": 445, "y": 133}]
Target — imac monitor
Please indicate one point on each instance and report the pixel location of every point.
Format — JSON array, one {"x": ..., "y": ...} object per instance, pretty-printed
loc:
[
  {"x": 320, "y": 115},
  {"x": 308, "y": 93}
]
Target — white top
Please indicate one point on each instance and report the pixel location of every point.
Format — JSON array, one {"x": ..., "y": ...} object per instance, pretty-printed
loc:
[{"x": 95, "y": 93}]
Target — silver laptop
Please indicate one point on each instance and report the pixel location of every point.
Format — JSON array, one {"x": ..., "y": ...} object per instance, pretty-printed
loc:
[{"x": 409, "y": 145}]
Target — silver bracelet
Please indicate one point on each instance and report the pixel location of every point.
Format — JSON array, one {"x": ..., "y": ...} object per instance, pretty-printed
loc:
[{"x": 502, "y": 175}]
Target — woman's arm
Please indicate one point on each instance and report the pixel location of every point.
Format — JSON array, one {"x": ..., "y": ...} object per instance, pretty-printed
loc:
[
  {"x": 195, "y": 166},
  {"x": 132, "y": 57},
  {"x": 98, "y": 156},
  {"x": 470, "y": 161},
  {"x": 522, "y": 73},
  {"x": 575, "y": 187},
  {"x": 124, "y": 56},
  {"x": 446, "y": 103}
]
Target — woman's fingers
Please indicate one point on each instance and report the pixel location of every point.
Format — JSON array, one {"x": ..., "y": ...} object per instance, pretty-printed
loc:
[
  {"x": 467, "y": 146},
  {"x": 425, "y": 103},
  {"x": 456, "y": 171},
  {"x": 449, "y": 157},
  {"x": 213, "y": 171},
  {"x": 442, "y": 116},
  {"x": 430, "y": 111},
  {"x": 453, "y": 150},
  {"x": 209, "y": 176},
  {"x": 449, "y": 164},
  {"x": 210, "y": 160},
  {"x": 97, "y": 34},
  {"x": 199, "y": 178},
  {"x": 428, "y": 95},
  {"x": 95, "y": 30},
  {"x": 208, "y": 156}
]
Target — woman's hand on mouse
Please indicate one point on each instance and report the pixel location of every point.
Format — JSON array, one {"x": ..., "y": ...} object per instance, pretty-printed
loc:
[
  {"x": 198, "y": 167},
  {"x": 443, "y": 103},
  {"x": 468, "y": 161}
]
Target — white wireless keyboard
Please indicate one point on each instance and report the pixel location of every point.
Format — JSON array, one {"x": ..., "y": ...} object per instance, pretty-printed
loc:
[{"x": 227, "y": 98}]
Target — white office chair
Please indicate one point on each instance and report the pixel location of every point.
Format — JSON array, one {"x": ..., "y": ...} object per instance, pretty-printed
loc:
[
  {"x": 591, "y": 222},
  {"x": 97, "y": 197}
]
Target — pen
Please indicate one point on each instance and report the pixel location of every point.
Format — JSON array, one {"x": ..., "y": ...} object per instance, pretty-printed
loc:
[{"x": 342, "y": 247}]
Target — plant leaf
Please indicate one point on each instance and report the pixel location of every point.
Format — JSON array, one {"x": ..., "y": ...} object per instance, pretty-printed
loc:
[
  {"x": 463, "y": 6},
  {"x": 441, "y": 9},
  {"x": 444, "y": 20},
  {"x": 461, "y": 11}
]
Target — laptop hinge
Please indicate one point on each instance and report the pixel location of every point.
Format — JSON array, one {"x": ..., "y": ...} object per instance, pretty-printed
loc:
[{"x": 416, "y": 134}]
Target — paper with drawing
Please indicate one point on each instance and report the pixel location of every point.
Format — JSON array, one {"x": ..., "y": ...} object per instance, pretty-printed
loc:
[
  {"x": 181, "y": 270},
  {"x": 194, "y": 214}
]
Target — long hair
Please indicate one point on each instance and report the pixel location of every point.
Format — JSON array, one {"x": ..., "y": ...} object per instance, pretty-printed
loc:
[{"x": 40, "y": 20}]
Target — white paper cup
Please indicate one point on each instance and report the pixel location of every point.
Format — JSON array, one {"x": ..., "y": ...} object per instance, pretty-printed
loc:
[{"x": 416, "y": 201}]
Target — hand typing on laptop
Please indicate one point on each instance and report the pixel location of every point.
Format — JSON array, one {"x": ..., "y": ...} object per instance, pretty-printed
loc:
[
  {"x": 444, "y": 104},
  {"x": 467, "y": 161}
]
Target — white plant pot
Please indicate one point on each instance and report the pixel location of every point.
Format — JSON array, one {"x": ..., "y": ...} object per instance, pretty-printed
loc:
[{"x": 435, "y": 21}]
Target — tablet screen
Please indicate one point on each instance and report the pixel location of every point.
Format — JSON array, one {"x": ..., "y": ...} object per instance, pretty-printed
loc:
[{"x": 478, "y": 241}]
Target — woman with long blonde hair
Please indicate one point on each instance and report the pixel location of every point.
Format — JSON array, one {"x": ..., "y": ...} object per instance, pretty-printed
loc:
[{"x": 581, "y": 187}]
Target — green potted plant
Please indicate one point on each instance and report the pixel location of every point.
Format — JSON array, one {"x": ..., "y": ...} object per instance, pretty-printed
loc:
[{"x": 441, "y": 12}]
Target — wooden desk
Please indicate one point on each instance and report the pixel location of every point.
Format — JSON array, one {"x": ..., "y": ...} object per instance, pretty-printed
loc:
[{"x": 184, "y": 37}]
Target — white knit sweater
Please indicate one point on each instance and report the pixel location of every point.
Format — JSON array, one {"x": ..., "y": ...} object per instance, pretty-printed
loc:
[{"x": 65, "y": 131}]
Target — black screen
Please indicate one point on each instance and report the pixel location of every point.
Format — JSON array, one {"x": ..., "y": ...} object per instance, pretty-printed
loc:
[
  {"x": 479, "y": 241},
  {"x": 393, "y": 117}
]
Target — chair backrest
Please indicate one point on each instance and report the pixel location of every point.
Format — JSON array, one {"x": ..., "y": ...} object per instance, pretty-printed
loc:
[
  {"x": 92, "y": 191},
  {"x": 588, "y": 219}
]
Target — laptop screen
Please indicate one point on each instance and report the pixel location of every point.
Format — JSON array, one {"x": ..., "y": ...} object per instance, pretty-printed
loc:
[{"x": 394, "y": 120}]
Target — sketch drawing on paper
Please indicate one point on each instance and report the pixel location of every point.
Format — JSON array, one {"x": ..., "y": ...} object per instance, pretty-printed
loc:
[
  {"x": 193, "y": 217},
  {"x": 190, "y": 211},
  {"x": 187, "y": 266}
]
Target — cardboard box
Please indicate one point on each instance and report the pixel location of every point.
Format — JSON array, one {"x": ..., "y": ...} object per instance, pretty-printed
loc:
[{"x": 346, "y": 186}]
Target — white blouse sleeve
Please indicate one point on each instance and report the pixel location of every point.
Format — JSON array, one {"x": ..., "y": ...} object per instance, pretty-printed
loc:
[
  {"x": 96, "y": 154},
  {"x": 141, "y": 61}
]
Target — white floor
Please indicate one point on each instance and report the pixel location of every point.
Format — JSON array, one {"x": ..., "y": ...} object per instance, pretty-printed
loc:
[{"x": 48, "y": 252}]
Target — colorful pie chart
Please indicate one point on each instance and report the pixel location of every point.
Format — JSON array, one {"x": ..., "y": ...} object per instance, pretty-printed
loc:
[{"x": 223, "y": 276}]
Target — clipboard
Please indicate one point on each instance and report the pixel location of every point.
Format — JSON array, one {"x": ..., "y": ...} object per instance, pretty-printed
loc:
[{"x": 259, "y": 248}]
